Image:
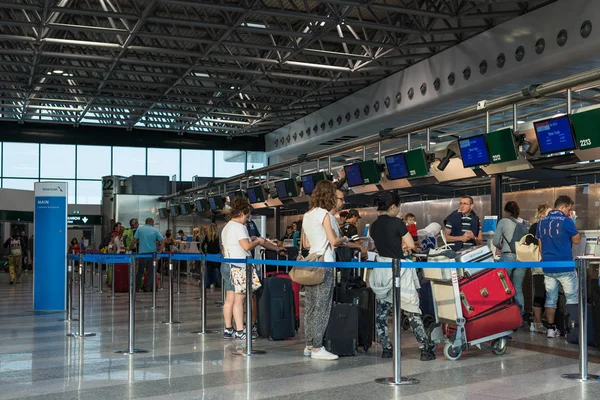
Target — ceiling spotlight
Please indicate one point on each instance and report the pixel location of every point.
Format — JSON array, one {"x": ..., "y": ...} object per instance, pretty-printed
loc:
[
  {"x": 446, "y": 160},
  {"x": 58, "y": 71}
]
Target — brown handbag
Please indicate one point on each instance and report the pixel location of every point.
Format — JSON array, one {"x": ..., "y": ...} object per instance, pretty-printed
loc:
[{"x": 308, "y": 276}]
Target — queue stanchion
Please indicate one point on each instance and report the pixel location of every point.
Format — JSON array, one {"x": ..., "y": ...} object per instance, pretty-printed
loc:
[
  {"x": 162, "y": 274},
  {"x": 131, "y": 343},
  {"x": 100, "y": 265},
  {"x": 583, "y": 376},
  {"x": 249, "y": 351},
  {"x": 112, "y": 281},
  {"x": 397, "y": 379},
  {"x": 154, "y": 283},
  {"x": 170, "y": 321},
  {"x": 202, "y": 330},
  {"x": 179, "y": 277},
  {"x": 70, "y": 280},
  {"x": 81, "y": 333}
]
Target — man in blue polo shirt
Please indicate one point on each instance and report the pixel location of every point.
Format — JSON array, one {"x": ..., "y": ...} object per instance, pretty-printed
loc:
[
  {"x": 147, "y": 236},
  {"x": 557, "y": 232}
]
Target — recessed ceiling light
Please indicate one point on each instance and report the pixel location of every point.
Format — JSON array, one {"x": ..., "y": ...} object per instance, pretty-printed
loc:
[
  {"x": 58, "y": 71},
  {"x": 48, "y": 73}
]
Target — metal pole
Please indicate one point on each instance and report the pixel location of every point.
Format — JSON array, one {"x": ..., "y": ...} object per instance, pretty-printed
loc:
[
  {"x": 131, "y": 344},
  {"x": 100, "y": 265},
  {"x": 153, "y": 272},
  {"x": 318, "y": 164},
  {"x": 202, "y": 330},
  {"x": 81, "y": 332},
  {"x": 112, "y": 286},
  {"x": 162, "y": 274},
  {"x": 582, "y": 376},
  {"x": 364, "y": 153},
  {"x": 408, "y": 143},
  {"x": 487, "y": 122},
  {"x": 329, "y": 164},
  {"x": 515, "y": 118},
  {"x": 379, "y": 156},
  {"x": 569, "y": 101},
  {"x": 170, "y": 321},
  {"x": 397, "y": 379},
  {"x": 249, "y": 352},
  {"x": 70, "y": 281},
  {"x": 179, "y": 277},
  {"x": 427, "y": 139}
]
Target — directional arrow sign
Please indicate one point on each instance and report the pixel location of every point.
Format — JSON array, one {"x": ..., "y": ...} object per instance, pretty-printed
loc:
[{"x": 85, "y": 220}]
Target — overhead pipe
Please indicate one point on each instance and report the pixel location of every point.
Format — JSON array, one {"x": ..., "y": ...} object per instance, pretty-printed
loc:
[{"x": 433, "y": 122}]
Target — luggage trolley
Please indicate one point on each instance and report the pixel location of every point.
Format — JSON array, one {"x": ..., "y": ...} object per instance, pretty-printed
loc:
[{"x": 448, "y": 309}]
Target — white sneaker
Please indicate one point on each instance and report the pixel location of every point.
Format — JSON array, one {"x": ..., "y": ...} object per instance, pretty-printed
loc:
[
  {"x": 552, "y": 333},
  {"x": 302, "y": 294},
  {"x": 537, "y": 328},
  {"x": 307, "y": 352},
  {"x": 323, "y": 355}
]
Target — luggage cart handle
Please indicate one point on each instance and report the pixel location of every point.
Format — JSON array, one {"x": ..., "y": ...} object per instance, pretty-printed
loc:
[
  {"x": 466, "y": 303},
  {"x": 502, "y": 277}
]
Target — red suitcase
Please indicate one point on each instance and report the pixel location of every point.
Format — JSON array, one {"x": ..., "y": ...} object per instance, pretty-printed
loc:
[
  {"x": 505, "y": 317},
  {"x": 121, "y": 277},
  {"x": 484, "y": 291},
  {"x": 295, "y": 289}
]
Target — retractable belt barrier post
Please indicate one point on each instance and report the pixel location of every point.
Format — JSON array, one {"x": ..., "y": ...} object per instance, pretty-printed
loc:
[
  {"x": 397, "y": 379},
  {"x": 170, "y": 321},
  {"x": 583, "y": 264},
  {"x": 81, "y": 333},
  {"x": 249, "y": 352},
  {"x": 70, "y": 281},
  {"x": 131, "y": 347},
  {"x": 202, "y": 283},
  {"x": 100, "y": 265},
  {"x": 154, "y": 282},
  {"x": 179, "y": 277}
]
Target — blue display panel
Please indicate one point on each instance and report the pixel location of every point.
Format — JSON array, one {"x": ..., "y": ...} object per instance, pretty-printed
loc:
[
  {"x": 308, "y": 184},
  {"x": 353, "y": 175},
  {"x": 554, "y": 135},
  {"x": 252, "y": 196},
  {"x": 474, "y": 152},
  {"x": 396, "y": 166}
]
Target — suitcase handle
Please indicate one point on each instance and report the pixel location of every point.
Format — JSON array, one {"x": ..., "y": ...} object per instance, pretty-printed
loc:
[
  {"x": 504, "y": 282},
  {"x": 465, "y": 302}
]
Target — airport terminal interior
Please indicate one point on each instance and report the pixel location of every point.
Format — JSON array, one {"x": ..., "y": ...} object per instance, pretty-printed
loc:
[{"x": 191, "y": 115}]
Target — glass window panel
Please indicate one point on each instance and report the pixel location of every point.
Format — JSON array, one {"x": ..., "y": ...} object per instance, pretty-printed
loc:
[
  {"x": 163, "y": 162},
  {"x": 196, "y": 163},
  {"x": 129, "y": 161},
  {"x": 21, "y": 160},
  {"x": 21, "y": 184},
  {"x": 93, "y": 162},
  {"x": 70, "y": 190},
  {"x": 229, "y": 163},
  {"x": 256, "y": 159},
  {"x": 89, "y": 192},
  {"x": 58, "y": 161}
]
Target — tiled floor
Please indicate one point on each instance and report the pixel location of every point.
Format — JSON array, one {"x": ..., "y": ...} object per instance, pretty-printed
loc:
[{"x": 37, "y": 360}]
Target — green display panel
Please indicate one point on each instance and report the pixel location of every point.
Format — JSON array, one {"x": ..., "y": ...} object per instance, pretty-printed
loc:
[
  {"x": 416, "y": 163},
  {"x": 370, "y": 172},
  {"x": 587, "y": 129},
  {"x": 501, "y": 145},
  {"x": 318, "y": 177}
]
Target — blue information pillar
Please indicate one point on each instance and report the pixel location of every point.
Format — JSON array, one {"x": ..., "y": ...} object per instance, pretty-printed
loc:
[{"x": 50, "y": 246}]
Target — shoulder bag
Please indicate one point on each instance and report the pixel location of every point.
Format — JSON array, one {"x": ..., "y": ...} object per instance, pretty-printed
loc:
[
  {"x": 308, "y": 276},
  {"x": 528, "y": 252}
]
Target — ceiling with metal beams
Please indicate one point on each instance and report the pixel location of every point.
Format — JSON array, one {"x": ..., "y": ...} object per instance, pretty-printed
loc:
[{"x": 219, "y": 67}]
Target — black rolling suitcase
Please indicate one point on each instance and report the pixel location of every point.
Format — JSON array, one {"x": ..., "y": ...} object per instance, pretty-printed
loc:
[
  {"x": 276, "y": 309},
  {"x": 341, "y": 337},
  {"x": 595, "y": 311},
  {"x": 572, "y": 333}
]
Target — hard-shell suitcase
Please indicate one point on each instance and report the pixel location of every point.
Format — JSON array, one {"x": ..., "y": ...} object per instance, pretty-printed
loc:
[
  {"x": 505, "y": 317},
  {"x": 341, "y": 336},
  {"x": 276, "y": 314},
  {"x": 485, "y": 290},
  {"x": 595, "y": 311},
  {"x": 475, "y": 254},
  {"x": 572, "y": 333},
  {"x": 354, "y": 291},
  {"x": 121, "y": 277},
  {"x": 296, "y": 290}
]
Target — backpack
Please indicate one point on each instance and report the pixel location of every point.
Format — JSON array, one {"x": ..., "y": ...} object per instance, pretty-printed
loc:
[
  {"x": 521, "y": 229},
  {"x": 127, "y": 237},
  {"x": 15, "y": 247}
]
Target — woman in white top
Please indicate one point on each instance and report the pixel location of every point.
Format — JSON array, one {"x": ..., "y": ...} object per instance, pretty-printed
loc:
[
  {"x": 237, "y": 244},
  {"x": 319, "y": 228}
]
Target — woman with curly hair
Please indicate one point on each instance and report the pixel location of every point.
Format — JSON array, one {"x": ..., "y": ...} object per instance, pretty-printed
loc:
[{"x": 320, "y": 233}]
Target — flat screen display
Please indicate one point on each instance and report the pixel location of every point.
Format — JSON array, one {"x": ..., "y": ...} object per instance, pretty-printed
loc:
[
  {"x": 473, "y": 151},
  {"x": 235, "y": 194},
  {"x": 416, "y": 163},
  {"x": 202, "y": 205},
  {"x": 554, "y": 135},
  {"x": 186, "y": 208},
  {"x": 353, "y": 175},
  {"x": 163, "y": 213},
  {"x": 216, "y": 203},
  {"x": 502, "y": 146},
  {"x": 175, "y": 210},
  {"x": 585, "y": 126},
  {"x": 256, "y": 194},
  {"x": 286, "y": 189},
  {"x": 396, "y": 166},
  {"x": 252, "y": 196},
  {"x": 370, "y": 172},
  {"x": 308, "y": 184}
]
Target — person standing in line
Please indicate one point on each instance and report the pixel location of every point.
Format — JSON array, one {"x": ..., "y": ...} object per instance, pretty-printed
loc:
[
  {"x": 15, "y": 257},
  {"x": 212, "y": 245},
  {"x": 539, "y": 290},
  {"x": 512, "y": 229},
  {"x": 319, "y": 227},
  {"x": 237, "y": 244},
  {"x": 462, "y": 227},
  {"x": 391, "y": 238},
  {"x": 147, "y": 236},
  {"x": 557, "y": 233}
]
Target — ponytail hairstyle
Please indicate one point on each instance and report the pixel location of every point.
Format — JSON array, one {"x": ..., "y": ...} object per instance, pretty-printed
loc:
[
  {"x": 513, "y": 209},
  {"x": 386, "y": 200}
]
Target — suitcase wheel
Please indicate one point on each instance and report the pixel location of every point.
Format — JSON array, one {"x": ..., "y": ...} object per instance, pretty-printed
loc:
[
  {"x": 499, "y": 346},
  {"x": 451, "y": 353},
  {"x": 405, "y": 322},
  {"x": 365, "y": 348}
]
